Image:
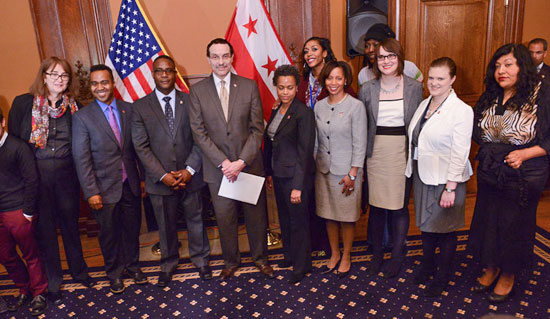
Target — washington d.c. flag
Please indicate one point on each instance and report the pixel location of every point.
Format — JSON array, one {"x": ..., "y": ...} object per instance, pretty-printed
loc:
[
  {"x": 133, "y": 48},
  {"x": 258, "y": 48}
]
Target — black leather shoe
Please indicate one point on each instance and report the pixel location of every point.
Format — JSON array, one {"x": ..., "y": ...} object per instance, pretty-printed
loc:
[
  {"x": 496, "y": 298},
  {"x": 55, "y": 297},
  {"x": 38, "y": 305},
  {"x": 87, "y": 282},
  {"x": 436, "y": 288},
  {"x": 116, "y": 286},
  {"x": 393, "y": 268},
  {"x": 227, "y": 273},
  {"x": 295, "y": 278},
  {"x": 138, "y": 276},
  {"x": 19, "y": 302},
  {"x": 205, "y": 272},
  {"x": 327, "y": 270},
  {"x": 343, "y": 274},
  {"x": 285, "y": 264},
  {"x": 164, "y": 279}
]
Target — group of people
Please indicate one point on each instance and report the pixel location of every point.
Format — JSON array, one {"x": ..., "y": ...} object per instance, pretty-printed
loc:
[{"x": 327, "y": 153}]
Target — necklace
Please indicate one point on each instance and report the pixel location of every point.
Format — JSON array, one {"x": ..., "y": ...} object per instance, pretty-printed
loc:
[{"x": 392, "y": 90}]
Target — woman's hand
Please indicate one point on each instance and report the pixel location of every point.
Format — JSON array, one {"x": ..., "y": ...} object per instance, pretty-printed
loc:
[
  {"x": 447, "y": 199},
  {"x": 276, "y": 104},
  {"x": 269, "y": 183},
  {"x": 296, "y": 196},
  {"x": 515, "y": 158},
  {"x": 349, "y": 185}
]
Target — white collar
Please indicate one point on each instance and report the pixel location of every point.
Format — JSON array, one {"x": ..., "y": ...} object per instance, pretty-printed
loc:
[{"x": 3, "y": 139}]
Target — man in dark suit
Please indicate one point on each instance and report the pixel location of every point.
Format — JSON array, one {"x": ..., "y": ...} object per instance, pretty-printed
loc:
[
  {"x": 106, "y": 165},
  {"x": 164, "y": 143},
  {"x": 228, "y": 125},
  {"x": 537, "y": 49}
]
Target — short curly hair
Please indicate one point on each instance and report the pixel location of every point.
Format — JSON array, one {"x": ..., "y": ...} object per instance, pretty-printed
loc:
[{"x": 286, "y": 70}]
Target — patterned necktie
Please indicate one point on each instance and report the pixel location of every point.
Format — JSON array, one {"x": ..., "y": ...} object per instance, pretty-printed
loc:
[
  {"x": 114, "y": 126},
  {"x": 224, "y": 99},
  {"x": 169, "y": 114}
]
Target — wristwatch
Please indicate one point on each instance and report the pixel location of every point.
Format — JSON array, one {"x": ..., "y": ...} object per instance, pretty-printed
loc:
[
  {"x": 352, "y": 177},
  {"x": 449, "y": 190}
]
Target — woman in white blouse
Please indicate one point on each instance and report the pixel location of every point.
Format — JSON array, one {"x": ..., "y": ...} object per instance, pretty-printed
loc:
[{"x": 439, "y": 144}]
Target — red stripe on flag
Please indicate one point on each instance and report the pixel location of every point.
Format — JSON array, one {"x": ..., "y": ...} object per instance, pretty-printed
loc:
[
  {"x": 117, "y": 94},
  {"x": 244, "y": 65},
  {"x": 142, "y": 81},
  {"x": 181, "y": 85},
  {"x": 130, "y": 89}
]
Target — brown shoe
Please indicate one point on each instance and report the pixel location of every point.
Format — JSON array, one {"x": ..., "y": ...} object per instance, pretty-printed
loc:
[
  {"x": 266, "y": 270},
  {"x": 228, "y": 272}
]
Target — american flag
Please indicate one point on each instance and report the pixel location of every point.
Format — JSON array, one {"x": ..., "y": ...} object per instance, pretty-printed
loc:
[{"x": 133, "y": 48}]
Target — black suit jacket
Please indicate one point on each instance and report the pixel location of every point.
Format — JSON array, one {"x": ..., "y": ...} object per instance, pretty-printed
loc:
[
  {"x": 157, "y": 149},
  {"x": 20, "y": 118},
  {"x": 290, "y": 152},
  {"x": 98, "y": 156},
  {"x": 545, "y": 72}
]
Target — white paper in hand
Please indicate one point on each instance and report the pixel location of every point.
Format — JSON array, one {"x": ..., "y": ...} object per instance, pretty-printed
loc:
[{"x": 246, "y": 188}]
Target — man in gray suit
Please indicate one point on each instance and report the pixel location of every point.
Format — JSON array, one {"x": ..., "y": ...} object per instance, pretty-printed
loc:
[
  {"x": 106, "y": 165},
  {"x": 228, "y": 125},
  {"x": 164, "y": 143}
]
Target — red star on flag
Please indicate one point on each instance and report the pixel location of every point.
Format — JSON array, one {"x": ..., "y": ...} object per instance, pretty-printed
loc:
[
  {"x": 251, "y": 26},
  {"x": 270, "y": 66}
]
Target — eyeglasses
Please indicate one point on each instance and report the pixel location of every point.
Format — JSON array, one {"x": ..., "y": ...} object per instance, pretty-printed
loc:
[
  {"x": 55, "y": 76},
  {"x": 390, "y": 57},
  {"x": 161, "y": 71}
]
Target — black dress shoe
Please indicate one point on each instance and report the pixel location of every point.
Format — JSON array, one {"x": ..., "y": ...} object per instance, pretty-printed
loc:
[
  {"x": 295, "y": 278},
  {"x": 436, "y": 288},
  {"x": 19, "y": 302},
  {"x": 422, "y": 276},
  {"x": 205, "y": 272},
  {"x": 375, "y": 265},
  {"x": 87, "y": 282},
  {"x": 496, "y": 298},
  {"x": 266, "y": 270},
  {"x": 343, "y": 274},
  {"x": 164, "y": 279},
  {"x": 38, "y": 305},
  {"x": 138, "y": 276},
  {"x": 285, "y": 264},
  {"x": 55, "y": 297},
  {"x": 227, "y": 273},
  {"x": 393, "y": 268},
  {"x": 116, "y": 286},
  {"x": 327, "y": 270}
]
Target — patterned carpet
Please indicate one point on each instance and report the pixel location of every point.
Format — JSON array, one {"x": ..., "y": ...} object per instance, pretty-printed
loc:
[{"x": 249, "y": 295}]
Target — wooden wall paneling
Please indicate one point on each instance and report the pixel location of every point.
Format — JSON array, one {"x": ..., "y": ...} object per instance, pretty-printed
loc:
[{"x": 298, "y": 20}]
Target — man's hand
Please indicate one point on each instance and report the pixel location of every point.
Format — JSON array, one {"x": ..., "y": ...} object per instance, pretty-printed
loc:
[
  {"x": 182, "y": 177},
  {"x": 231, "y": 170},
  {"x": 95, "y": 202}
]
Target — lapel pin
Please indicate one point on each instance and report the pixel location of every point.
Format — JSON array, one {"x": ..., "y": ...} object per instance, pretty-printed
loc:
[
  {"x": 181, "y": 102},
  {"x": 123, "y": 111},
  {"x": 438, "y": 112},
  {"x": 235, "y": 85},
  {"x": 288, "y": 117}
]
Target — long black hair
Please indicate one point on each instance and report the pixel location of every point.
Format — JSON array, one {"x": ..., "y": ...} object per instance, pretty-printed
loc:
[
  {"x": 325, "y": 44},
  {"x": 526, "y": 81}
]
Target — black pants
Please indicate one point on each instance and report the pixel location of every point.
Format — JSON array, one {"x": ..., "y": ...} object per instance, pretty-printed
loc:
[
  {"x": 59, "y": 205},
  {"x": 119, "y": 225},
  {"x": 294, "y": 220}
]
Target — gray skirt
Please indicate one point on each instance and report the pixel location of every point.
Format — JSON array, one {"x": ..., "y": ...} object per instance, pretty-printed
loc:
[
  {"x": 332, "y": 203},
  {"x": 432, "y": 218}
]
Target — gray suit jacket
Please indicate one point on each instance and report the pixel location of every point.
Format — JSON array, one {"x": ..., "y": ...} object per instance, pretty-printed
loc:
[
  {"x": 238, "y": 138},
  {"x": 98, "y": 156},
  {"x": 158, "y": 150},
  {"x": 370, "y": 95}
]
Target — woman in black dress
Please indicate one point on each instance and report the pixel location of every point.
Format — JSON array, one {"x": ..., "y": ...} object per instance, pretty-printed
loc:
[{"x": 511, "y": 126}]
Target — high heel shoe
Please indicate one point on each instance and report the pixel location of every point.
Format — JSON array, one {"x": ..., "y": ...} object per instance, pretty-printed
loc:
[
  {"x": 496, "y": 298},
  {"x": 327, "y": 270},
  {"x": 480, "y": 288},
  {"x": 343, "y": 274}
]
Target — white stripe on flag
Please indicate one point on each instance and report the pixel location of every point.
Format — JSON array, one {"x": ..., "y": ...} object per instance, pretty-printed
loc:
[
  {"x": 136, "y": 85},
  {"x": 118, "y": 82},
  {"x": 148, "y": 75}
]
